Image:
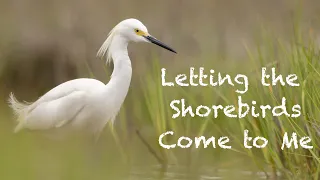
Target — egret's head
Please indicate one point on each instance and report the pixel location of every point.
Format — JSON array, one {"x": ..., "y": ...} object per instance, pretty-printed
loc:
[
  {"x": 135, "y": 31},
  {"x": 131, "y": 30}
]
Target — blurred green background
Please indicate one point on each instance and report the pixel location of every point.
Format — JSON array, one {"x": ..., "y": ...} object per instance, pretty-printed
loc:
[{"x": 45, "y": 43}]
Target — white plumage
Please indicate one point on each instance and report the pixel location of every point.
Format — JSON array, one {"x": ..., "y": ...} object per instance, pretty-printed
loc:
[{"x": 87, "y": 104}]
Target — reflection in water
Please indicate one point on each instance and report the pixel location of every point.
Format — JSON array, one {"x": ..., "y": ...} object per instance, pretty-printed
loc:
[{"x": 184, "y": 173}]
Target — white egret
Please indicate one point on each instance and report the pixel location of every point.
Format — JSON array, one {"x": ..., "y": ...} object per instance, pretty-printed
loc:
[{"x": 87, "y": 104}]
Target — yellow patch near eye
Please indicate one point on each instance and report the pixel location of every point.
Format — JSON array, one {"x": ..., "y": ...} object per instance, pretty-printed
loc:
[{"x": 140, "y": 33}]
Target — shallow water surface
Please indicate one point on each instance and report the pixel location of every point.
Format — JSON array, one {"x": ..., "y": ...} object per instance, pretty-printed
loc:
[
  {"x": 183, "y": 173},
  {"x": 29, "y": 156}
]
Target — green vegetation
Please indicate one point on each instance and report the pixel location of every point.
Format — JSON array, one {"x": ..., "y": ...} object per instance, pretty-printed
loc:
[{"x": 288, "y": 58}]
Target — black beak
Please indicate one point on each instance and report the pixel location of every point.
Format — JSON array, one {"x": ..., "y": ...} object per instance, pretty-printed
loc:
[{"x": 159, "y": 43}]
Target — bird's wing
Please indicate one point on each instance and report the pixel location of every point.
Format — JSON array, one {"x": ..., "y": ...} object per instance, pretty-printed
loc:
[
  {"x": 59, "y": 105},
  {"x": 56, "y": 113},
  {"x": 66, "y": 88}
]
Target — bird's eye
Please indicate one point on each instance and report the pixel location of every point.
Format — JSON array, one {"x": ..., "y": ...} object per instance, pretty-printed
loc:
[{"x": 137, "y": 30}]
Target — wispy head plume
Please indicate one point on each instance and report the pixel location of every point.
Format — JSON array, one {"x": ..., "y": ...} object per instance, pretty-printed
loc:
[{"x": 104, "y": 50}]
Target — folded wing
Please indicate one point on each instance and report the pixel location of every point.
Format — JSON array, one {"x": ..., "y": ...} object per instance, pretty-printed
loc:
[{"x": 57, "y": 107}]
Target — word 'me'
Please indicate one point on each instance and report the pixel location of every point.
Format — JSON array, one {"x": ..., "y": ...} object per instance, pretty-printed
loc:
[{"x": 303, "y": 141}]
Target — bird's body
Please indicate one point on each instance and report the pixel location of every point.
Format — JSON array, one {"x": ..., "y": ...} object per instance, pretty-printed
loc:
[
  {"x": 77, "y": 104},
  {"x": 85, "y": 104}
]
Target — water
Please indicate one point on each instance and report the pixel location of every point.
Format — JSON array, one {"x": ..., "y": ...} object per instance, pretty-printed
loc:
[
  {"x": 46, "y": 160},
  {"x": 27, "y": 156},
  {"x": 184, "y": 173}
]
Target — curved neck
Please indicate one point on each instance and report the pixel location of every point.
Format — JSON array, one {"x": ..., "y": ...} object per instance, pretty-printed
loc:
[
  {"x": 121, "y": 61},
  {"x": 117, "y": 88}
]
